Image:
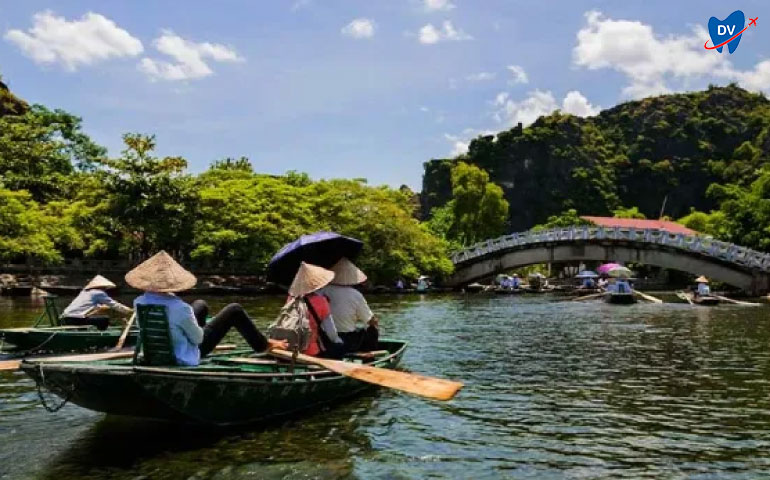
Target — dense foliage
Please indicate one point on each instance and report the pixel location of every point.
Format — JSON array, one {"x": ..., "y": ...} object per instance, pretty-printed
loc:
[
  {"x": 670, "y": 149},
  {"x": 476, "y": 211},
  {"x": 61, "y": 196}
]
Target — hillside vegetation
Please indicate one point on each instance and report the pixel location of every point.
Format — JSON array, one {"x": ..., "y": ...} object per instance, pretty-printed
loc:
[{"x": 695, "y": 151}]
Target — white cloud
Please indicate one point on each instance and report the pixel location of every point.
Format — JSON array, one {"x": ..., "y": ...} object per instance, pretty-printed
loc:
[
  {"x": 359, "y": 28},
  {"x": 646, "y": 59},
  {"x": 577, "y": 104},
  {"x": 537, "y": 104},
  {"x": 756, "y": 79},
  {"x": 518, "y": 74},
  {"x": 459, "y": 145},
  {"x": 461, "y": 142},
  {"x": 481, "y": 77},
  {"x": 189, "y": 58},
  {"x": 429, "y": 34},
  {"x": 90, "y": 39},
  {"x": 526, "y": 111},
  {"x": 437, "y": 5}
]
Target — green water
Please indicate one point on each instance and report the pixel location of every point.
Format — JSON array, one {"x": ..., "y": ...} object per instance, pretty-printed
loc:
[{"x": 553, "y": 390}]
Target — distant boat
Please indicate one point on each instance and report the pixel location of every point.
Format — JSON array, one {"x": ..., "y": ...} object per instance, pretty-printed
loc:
[
  {"x": 619, "y": 298},
  {"x": 18, "y": 290}
]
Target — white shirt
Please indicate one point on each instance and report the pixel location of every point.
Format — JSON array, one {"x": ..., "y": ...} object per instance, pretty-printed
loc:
[
  {"x": 185, "y": 333},
  {"x": 703, "y": 289},
  {"x": 348, "y": 306}
]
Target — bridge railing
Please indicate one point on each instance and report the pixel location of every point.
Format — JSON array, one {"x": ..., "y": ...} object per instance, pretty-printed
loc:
[{"x": 695, "y": 244}]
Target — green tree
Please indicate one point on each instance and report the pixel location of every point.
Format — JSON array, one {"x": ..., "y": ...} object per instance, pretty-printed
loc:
[
  {"x": 40, "y": 150},
  {"x": 31, "y": 231},
  {"x": 630, "y": 212},
  {"x": 479, "y": 209},
  {"x": 567, "y": 218},
  {"x": 150, "y": 200}
]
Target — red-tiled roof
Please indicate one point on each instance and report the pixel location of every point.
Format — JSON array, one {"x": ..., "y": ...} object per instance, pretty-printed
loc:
[{"x": 672, "y": 227}]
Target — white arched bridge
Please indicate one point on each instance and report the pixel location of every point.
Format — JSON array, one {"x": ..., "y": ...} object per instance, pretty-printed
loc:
[{"x": 699, "y": 255}]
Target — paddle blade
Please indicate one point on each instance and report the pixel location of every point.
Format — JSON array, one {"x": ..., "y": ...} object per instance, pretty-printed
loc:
[
  {"x": 430, "y": 387},
  {"x": 9, "y": 365}
]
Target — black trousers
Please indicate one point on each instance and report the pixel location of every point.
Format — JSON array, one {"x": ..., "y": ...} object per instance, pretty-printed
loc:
[
  {"x": 232, "y": 316},
  {"x": 361, "y": 340},
  {"x": 101, "y": 323}
]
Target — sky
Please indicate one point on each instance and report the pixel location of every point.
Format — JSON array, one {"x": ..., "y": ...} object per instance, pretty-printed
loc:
[{"x": 357, "y": 88}]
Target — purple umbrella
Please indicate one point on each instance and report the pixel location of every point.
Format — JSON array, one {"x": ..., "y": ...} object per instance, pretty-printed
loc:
[
  {"x": 607, "y": 267},
  {"x": 320, "y": 248}
]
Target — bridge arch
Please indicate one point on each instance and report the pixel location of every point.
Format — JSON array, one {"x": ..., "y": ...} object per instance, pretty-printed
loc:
[{"x": 734, "y": 265}]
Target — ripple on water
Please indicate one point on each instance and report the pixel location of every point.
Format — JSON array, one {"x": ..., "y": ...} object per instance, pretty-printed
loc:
[{"x": 555, "y": 390}]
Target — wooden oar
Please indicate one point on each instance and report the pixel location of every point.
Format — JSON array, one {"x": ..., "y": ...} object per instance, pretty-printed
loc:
[
  {"x": 685, "y": 297},
  {"x": 430, "y": 387},
  {"x": 649, "y": 298},
  {"x": 88, "y": 357},
  {"x": 14, "y": 364},
  {"x": 738, "y": 302},
  {"x": 124, "y": 335},
  {"x": 586, "y": 297}
]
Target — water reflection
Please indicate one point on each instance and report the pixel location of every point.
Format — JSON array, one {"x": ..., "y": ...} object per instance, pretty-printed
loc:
[{"x": 552, "y": 390}]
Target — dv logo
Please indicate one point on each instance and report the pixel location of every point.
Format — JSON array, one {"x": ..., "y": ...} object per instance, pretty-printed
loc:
[{"x": 728, "y": 31}]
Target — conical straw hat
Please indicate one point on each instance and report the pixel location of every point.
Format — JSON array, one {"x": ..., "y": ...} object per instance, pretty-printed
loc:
[
  {"x": 308, "y": 279},
  {"x": 161, "y": 273},
  {"x": 701, "y": 279},
  {"x": 99, "y": 282},
  {"x": 347, "y": 274}
]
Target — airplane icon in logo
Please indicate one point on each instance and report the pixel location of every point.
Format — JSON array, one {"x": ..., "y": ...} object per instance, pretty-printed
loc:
[{"x": 753, "y": 21}]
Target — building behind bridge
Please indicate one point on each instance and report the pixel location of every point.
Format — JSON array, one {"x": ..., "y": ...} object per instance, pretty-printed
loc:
[{"x": 612, "y": 222}]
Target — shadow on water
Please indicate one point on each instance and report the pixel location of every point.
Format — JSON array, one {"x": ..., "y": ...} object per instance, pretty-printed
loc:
[{"x": 317, "y": 445}]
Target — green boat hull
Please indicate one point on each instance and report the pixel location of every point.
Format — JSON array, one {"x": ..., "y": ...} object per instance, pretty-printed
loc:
[
  {"x": 214, "y": 393},
  {"x": 56, "y": 339}
]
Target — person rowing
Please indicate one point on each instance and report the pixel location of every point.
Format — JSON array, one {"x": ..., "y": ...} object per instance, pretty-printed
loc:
[
  {"x": 160, "y": 277},
  {"x": 91, "y": 300},
  {"x": 702, "y": 288}
]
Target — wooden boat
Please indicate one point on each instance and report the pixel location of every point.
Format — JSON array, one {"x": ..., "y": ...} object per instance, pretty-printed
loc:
[
  {"x": 705, "y": 300},
  {"x": 63, "y": 339},
  {"x": 222, "y": 391},
  {"x": 509, "y": 291},
  {"x": 62, "y": 290},
  {"x": 585, "y": 291},
  {"x": 475, "y": 287},
  {"x": 619, "y": 298},
  {"x": 58, "y": 338},
  {"x": 19, "y": 290}
]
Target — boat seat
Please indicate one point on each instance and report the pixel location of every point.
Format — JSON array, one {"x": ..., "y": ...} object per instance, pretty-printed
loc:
[
  {"x": 51, "y": 312},
  {"x": 154, "y": 342}
]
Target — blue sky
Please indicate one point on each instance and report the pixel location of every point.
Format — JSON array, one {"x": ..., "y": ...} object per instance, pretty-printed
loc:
[{"x": 343, "y": 88}]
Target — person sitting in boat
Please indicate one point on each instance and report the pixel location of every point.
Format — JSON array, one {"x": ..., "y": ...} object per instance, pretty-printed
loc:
[
  {"x": 423, "y": 284},
  {"x": 324, "y": 342},
  {"x": 91, "y": 300},
  {"x": 622, "y": 286},
  {"x": 349, "y": 307},
  {"x": 515, "y": 282},
  {"x": 702, "y": 289},
  {"x": 160, "y": 277},
  {"x": 400, "y": 285},
  {"x": 589, "y": 283}
]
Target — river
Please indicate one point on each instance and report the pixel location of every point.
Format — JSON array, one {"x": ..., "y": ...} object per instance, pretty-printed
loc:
[{"x": 553, "y": 390}]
